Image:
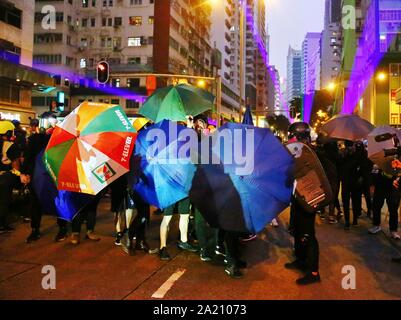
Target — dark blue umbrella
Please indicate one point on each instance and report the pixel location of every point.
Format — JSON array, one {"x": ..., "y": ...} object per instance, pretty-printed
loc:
[
  {"x": 248, "y": 117},
  {"x": 64, "y": 204},
  {"x": 244, "y": 201},
  {"x": 164, "y": 175}
]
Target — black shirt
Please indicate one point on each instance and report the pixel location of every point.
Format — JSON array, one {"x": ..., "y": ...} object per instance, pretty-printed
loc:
[{"x": 13, "y": 153}]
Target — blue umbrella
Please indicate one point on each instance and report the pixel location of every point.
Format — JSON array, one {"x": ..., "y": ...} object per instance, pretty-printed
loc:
[
  {"x": 64, "y": 204},
  {"x": 244, "y": 201},
  {"x": 248, "y": 117},
  {"x": 164, "y": 176}
]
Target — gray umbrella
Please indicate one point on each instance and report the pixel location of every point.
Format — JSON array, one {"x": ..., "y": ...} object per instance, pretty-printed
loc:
[{"x": 347, "y": 127}]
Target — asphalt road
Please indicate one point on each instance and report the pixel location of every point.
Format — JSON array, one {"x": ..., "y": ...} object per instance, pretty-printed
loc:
[{"x": 103, "y": 271}]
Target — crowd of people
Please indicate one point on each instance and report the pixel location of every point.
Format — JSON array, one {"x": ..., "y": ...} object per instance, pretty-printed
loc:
[{"x": 346, "y": 164}]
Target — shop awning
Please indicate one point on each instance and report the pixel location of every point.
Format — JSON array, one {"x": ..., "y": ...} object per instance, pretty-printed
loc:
[
  {"x": 25, "y": 74},
  {"x": 398, "y": 96}
]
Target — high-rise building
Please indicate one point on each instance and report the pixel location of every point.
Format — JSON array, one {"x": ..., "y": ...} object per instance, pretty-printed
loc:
[
  {"x": 294, "y": 74},
  {"x": 310, "y": 66},
  {"x": 133, "y": 36},
  {"x": 331, "y": 43},
  {"x": 225, "y": 38},
  {"x": 18, "y": 78},
  {"x": 274, "y": 89}
]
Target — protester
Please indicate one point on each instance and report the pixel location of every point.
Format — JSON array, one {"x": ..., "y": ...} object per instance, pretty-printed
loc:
[
  {"x": 303, "y": 224},
  {"x": 10, "y": 175}
]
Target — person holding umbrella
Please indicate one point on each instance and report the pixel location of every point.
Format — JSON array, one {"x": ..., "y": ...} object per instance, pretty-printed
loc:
[{"x": 303, "y": 224}]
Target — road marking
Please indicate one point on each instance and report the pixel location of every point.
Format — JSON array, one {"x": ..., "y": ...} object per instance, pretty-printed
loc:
[{"x": 165, "y": 287}]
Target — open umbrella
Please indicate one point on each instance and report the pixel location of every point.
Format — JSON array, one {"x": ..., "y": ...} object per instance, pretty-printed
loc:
[
  {"x": 91, "y": 148},
  {"x": 164, "y": 175},
  {"x": 376, "y": 149},
  {"x": 235, "y": 199},
  {"x": 176, "y": 103},
  {"x": 248, "y": 117},
  {"x": 347, "y": 127},
  {"x": 64, "y": 204}
]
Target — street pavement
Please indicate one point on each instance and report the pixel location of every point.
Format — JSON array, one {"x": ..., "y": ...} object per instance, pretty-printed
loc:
[{"x": 101, "y": 270}]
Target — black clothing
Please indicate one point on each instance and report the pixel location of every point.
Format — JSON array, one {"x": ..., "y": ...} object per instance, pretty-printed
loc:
[
  {"x": 88, "y": 213},
  {"x": 385, "y": 191},
  {"x": 8, "y": 182},
  {"x": 13, "y": 153},
  {"x": 36, "y": 143},
  {"x": 306, "y": 244}
]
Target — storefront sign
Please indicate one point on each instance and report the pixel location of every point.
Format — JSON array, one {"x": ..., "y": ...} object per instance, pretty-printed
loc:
[{"x": 19, "y": 115}]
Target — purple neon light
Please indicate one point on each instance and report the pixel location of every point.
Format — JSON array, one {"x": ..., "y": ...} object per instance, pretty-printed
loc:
[
  {"x": 365, "y": 64},
  {"x": 265, "y": 57}
]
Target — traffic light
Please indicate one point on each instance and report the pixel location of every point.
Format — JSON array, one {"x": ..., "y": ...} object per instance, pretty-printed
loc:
[{"x": 102, "y": 72}]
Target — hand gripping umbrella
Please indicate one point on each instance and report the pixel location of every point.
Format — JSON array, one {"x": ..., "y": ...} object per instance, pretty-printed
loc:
[{"x": 233, "y": 198}]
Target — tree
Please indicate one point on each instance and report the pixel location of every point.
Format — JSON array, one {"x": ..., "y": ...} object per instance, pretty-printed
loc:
[
  {"x": 295, "y": 107},
  {"x": 279, "y": 122}
]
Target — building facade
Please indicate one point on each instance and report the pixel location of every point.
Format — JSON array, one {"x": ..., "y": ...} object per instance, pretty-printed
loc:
[
  {"x": 294, "y": 74},
  {"x": 310, "y": 63},
  {"x": 17, "y": 77}
]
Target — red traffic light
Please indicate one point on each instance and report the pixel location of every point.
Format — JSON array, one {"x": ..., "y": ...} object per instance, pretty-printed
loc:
[{"x": 102, "y": 72}]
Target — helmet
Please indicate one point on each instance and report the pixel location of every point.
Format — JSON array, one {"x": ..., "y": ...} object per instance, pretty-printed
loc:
[
  {"x": 299, "y": 130},
  {"x": 6, "y": 126},
  {"x": 139, "y": 123}
]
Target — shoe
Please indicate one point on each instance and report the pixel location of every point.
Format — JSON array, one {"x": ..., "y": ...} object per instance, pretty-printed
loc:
[
  {"x": 6, "y": 229},
  {"x": 75, "y": 239},
  {"x": 274, "y": 223},
  {"x": 91, "y": 236},
  {"x": 26, "y": 219},
  {"x": 396, "y": 260},
  {"x": 142, "y": 245},
  {"x": 34, "y": 236},
  {"x": 61, "y": 235},
  {"x": 220, "y": 251},
  {"x": 333, "y": 221},
  {"x": 395, "y": 235},
  {"x": 241, "y": 264},
  {"x": 204, "y": 256},
  {"x": 233, "y": 272},
  {"x": 119, "y": 235},
  {"x": 186, "y": 246},
  {"x": 250, "y": 237},
  {"x": 355, "y": 224},
  {"x": 347, "y": 226},
  {"x": 128, "y": 248},
  {"x": 296, "y": 265},
  {"x": 375, "y": 229},
  {"x": 163, "y": 254},
  {"x": 308, "y": 279}
]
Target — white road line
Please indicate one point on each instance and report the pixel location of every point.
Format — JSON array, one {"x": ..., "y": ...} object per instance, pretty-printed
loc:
[{"x": 165, "y": 287}]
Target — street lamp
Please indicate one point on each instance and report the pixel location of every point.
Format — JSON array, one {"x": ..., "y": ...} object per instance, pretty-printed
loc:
[
  {"x": 331, "y": 86},
  {"x": 381, "y": 76}
]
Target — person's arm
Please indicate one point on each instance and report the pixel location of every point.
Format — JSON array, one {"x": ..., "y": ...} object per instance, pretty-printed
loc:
[{"x": 14, "y": 154}]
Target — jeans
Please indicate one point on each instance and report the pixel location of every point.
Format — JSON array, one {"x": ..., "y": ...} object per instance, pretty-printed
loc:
[{"x": 88, "y": 214}]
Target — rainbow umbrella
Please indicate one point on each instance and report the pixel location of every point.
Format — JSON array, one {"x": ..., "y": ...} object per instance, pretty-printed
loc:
[{"x": 91, "y": 148}]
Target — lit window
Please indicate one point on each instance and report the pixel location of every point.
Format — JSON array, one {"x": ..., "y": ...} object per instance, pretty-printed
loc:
[
  {"x": 82, "y": 63},
  {"x": 134, "y": 42},
  {"x": 135, "y": 21}
]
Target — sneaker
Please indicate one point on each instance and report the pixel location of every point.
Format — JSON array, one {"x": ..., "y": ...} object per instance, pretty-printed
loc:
[
  {"x": 250, "y": 237},
  {"x": 75, "y": 239},
  {"x": 91, "y": 236},
  {"x": 308, "y": 279},
  {"x": 233, "y": 272},
  {"x": 296, "y": 265},
  {"x": 395, "y": 235},
  {"x": 163, "y": 254},
  {"x": 274, "y": 223},
  {"x": 119, "y": 235},
  {"x": 220, "y": 251},
  {"x": 26, "y": 219},
  {"x": 34, "y": 236},
  {"x": 347, "y": 226},
  {"x": 375, "y": 229},
  {"x": 142, "y": 245},
  {"x": 355, "y": 224},
  {"x": 128, "y": 248},
  {"x": 61, "y": 235},
  {"x": 333, "y": 220},
  {"x": 186, "y": 246},
  {"x": 204, "y": 256},
  {"x": 6, "y": 229}
]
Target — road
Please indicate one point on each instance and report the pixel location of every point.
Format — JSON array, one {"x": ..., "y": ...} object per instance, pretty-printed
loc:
[{"x": 102, "y": 271}]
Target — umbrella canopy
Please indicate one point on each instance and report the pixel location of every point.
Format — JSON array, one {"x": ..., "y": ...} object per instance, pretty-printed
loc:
[
  {"x": 91, "y": 148},
  {"x": 248, "y": 117},
  {"x": 64, "y": 204},
  {"x": 244, "y": 201},
  {"x": 376, "y": 149},
  {"x": 347, "y": 127},
  {"x": 164, "y": 176},
  {"x": 176, "y": 103}
]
